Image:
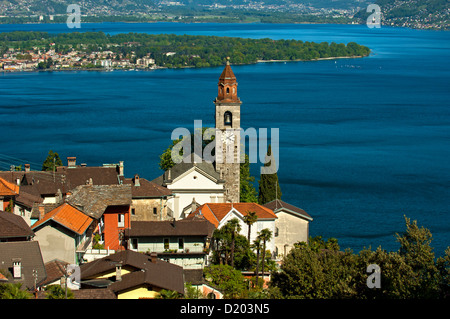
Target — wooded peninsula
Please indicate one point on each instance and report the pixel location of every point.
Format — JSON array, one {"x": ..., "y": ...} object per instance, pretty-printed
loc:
[{"x": 22, "y": 50}]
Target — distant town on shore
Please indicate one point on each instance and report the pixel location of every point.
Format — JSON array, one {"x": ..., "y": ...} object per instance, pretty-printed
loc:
[{"x": 31, "y": 51}]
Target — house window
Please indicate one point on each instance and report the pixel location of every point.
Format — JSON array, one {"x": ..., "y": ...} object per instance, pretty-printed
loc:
[
  {"x": 121, "y": 220},
  {"x": 166, "y": 243},
  {"x": 133, "y": 211},
  {"x": 180, "y": 243},
  {"x": 155, "y": 211},
  {"x": 134, "y": 243}
]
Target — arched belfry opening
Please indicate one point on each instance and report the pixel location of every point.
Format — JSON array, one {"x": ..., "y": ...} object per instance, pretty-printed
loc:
[{"x": 228, "y": 119}]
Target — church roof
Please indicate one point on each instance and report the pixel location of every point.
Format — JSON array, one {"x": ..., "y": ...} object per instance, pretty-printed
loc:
[
  {"x": 181, "y": 168},
  {"x": 227, "y": 74}
]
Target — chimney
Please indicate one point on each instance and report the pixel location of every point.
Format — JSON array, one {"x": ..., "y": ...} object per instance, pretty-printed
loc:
[
  {"x": 17, "y": 268},
  {"x": 118, "y": 271},
  {"x": 41, "y": 211},
  {"x": 136, "y": 180},
  {"x": 71, "y": 162},
  {"x": 121, "y": 168},
  {"x": 153, "y": 257},
  {"x": 27, "y": 167}
]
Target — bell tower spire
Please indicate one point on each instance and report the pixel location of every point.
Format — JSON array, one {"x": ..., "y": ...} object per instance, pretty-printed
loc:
[
  {"x": 228, "y": 122},
  {"x": 227, "y": 87}
]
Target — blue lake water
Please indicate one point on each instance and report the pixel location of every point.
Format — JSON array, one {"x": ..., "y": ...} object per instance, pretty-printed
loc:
[{"x": 363, "y": 142}]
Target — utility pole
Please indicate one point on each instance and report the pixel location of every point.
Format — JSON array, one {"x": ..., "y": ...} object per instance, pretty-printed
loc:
[{"x": 35, "y": 275}]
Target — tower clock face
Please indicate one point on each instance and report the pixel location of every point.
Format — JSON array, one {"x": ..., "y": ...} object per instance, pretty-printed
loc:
[{"x": 227, "y": 137}]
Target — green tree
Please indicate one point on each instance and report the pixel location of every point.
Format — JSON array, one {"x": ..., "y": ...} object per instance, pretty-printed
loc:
[
  {"x": 311, "y": 273},
  {"x": 269, "y": 187},
  {"x": 57, "y": 292},
  {"x": 257, "y": 247},
  {"x": 415, "y": 248},
  {"x": 250, "y": 218},
  {"x": 51, "y": 162},
  {"x": 265, "y": 235},
  {"x": 248, "y": 192},
  {"x": 13, "y": 291},
  {"x": 233, "y": 227},
  {"x": 168, "y": 294},
  {"x": 10, "y": 206},
  {"x": 228, "y": 279},
  {"x": 443, "y": 264}
]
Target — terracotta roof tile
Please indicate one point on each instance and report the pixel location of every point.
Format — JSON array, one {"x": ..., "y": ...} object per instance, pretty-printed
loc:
[
  {"x": 67, "y": 216},
  {"x": 55, "y": 270},
  {"x": 8, "y": 189},
  {"x": 215, "y": 212}
]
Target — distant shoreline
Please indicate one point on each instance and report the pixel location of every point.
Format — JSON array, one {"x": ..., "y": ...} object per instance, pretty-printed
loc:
[
  {"x": 161, "y": 67},
  {"x": 318, "y": 59}
]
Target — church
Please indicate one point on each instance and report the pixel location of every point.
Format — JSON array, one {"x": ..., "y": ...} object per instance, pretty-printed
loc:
[{"x": 194, "y": 184}]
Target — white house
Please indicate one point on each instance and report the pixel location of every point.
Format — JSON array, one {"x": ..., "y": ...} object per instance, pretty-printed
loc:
[
  {"x": 292, "y": 225},
  {"x": 220, "y": 213}
]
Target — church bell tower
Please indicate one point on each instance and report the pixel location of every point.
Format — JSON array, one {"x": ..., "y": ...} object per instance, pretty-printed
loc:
[{"x": 228, "y": 125}]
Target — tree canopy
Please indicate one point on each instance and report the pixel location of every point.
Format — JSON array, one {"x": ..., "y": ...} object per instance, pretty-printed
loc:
[{"x": 320, "y": 270}]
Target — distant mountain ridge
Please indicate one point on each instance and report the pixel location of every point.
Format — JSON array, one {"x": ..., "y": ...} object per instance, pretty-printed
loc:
[
  {"x": 422, "y": 14},
  {"x": 100, "y": 7}
]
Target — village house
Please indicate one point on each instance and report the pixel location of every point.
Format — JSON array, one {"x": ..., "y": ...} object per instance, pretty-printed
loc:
[
  {"x": 8, "y": 193},
  {"x": 20, "y": 256},
  {"x": 220, "y": 213},
  {"x": 132, "y": 275},
  {"x": 14, "y": 228},
  {"x": 64, "y": 233},
  {"x": 109, "y": 206},
  {"x": 291, "y": 226},
  {"x": 149, "y": 200},
  {"x": 180, "y": 242}
]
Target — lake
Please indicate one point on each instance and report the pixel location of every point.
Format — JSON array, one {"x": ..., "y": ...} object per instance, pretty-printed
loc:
[{"x": 363, "y": 142}]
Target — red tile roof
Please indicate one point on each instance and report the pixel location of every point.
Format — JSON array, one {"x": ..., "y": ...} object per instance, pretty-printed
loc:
[
  {"x": 8, "y": 189},
  {"x": 215, "y": 212},
  {"x": 67, "y": 216}
]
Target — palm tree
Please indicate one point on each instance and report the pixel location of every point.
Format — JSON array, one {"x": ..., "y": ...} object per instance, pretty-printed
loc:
[
  {"x": 257, "y": 246},
  {"x": 13, "y": 291},
  {"x": 168, "y": 294},
  {"x": 234, "y": 227},
  {"x": 265, "y": 235},
  {"x": 250, "y": 219}
]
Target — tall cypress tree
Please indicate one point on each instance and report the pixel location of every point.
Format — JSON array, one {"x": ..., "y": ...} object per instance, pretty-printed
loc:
[{"x": 269, "y": 187}]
